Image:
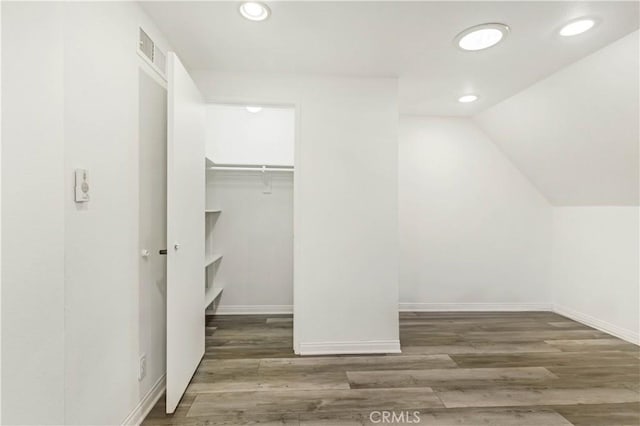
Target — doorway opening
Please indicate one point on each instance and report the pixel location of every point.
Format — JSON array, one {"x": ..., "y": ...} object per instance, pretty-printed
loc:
[{"x": 249, "y": 204}]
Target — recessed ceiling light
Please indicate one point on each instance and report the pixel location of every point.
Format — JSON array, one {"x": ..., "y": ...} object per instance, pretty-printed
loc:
[
  {"x": 577, "y": 27},
  {"x": 481, "y": 36},
  {"x": 254, "y": 109},
  {"x": 467, "y": 98},
  {"x": 254, "y": 11}
]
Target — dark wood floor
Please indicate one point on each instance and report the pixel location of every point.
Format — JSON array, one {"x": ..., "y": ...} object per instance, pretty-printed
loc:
[{"x": 529, "y": 368}]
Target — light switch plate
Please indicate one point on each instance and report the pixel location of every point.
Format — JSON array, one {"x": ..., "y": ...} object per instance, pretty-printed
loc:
[{"x": 81, "y": 186}]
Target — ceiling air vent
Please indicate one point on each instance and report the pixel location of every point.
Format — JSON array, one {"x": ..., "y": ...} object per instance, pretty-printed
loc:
[{"x": 148, "y": 49}]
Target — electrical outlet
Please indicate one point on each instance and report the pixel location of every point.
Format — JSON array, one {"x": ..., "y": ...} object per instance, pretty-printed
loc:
[{"x": 142, "y": 368}]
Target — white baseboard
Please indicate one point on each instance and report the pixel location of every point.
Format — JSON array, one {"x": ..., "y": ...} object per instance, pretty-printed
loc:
[
  {"x": 614, "y": 330},
  {"x": 474, "y": 307},
  {"x": 607, "y": 327},
  {"x": 253, "y": 309},
  {"x": 343, "y": 348},
  {"x": 143, "y": 408}
]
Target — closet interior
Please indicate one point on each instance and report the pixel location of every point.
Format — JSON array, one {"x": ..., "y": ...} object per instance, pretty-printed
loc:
[{"x": 249, "y": 208}]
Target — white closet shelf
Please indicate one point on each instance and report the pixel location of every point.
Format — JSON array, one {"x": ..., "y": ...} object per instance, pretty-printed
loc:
[
  {"x": 211, "y": 294},
  {"x": 213, "y": 210},
  {"x": 212, "y": 259}
]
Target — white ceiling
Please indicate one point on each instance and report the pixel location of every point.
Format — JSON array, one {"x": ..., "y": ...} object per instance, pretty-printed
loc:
[
  {"x": 575, "y": 134},
  {"x": 410, "y": 40}
]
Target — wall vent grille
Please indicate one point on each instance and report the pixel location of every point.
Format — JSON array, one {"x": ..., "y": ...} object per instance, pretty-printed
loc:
[
  {"x": 150, "y": 51},
  {"x": 146, "y": 45}
]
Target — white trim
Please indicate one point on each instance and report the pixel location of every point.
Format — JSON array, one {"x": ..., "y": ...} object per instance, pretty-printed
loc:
[
  {"x": 614, "y": 330},
  {"x": 358, "y": 347},
  {"x": 152, "y": 70},
  {"x": 143, "y": 408},
  {"x": 152, "y": 65},
  {"x": 607, "y": 327},
  {"x": 474, "y": 307},
  {"x": 253, "y": 309}
]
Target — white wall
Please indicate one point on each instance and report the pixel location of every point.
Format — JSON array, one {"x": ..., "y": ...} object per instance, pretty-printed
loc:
[
  {"x": 238, "y": 136},
  {"x": 345, "y": 214},
  {"x": 595, "y": 267},
  {"x": 474, "y": 233},
  {"x": 70, "y": 276},
  {"x": 254, "y": 232},
  {"x": 101, "y": 238},
  {"x": 32, "y": 214}
]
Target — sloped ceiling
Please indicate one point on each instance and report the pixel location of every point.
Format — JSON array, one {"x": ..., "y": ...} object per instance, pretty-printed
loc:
[{"x": 575, "y": 134}]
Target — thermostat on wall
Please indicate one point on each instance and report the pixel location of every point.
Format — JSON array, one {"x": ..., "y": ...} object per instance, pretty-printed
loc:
[{"x": 82, "y": 186}]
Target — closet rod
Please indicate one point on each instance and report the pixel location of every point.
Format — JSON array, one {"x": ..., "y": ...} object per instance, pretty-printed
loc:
[{"x": 254, "y": 168}]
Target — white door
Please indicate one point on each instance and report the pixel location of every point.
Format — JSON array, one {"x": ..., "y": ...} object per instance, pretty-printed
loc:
[{"x": 185, "y": 230}]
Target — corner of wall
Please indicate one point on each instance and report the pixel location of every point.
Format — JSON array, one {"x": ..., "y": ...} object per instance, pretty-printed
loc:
[
  {"x": 146, "y": 404},
  {"x": 597, "y": 323}
]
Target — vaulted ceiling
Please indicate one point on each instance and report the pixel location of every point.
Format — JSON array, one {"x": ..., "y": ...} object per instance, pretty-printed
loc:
[
  {"x": 409, "y": 40},
  {"x": 575, "y": 134}
]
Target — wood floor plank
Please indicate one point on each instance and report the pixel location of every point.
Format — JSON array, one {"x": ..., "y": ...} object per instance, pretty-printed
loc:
[
  {"x": 157, "y": 415},
  {"x": 280, "y": 321},
  {"x": 517, "y": 416},
  {"x": 332, "y": 419},
  {"x": 627, "y": 376},
  {"x": 262, "y": 381},
  {"x": 581, "y": 345},
  {"x": 568, "y": 324},
  {"x": 624, "y": 414},
  {"x": 253, "y": 333},
  {"x": 455, "y": 377},
  {"x": 556, "y": 359},
  {"x": 232, "y": 365},
  {"x": 262, "y": 419},
  {"x": 481, "y": 348},
  {"x": 532, "y": 336},
  {"x": 300, "y": 401},
  {"x": 524, "y": 397},
  {"x": 360, "y": 363},
  {"x": 255, "y": 353}
]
